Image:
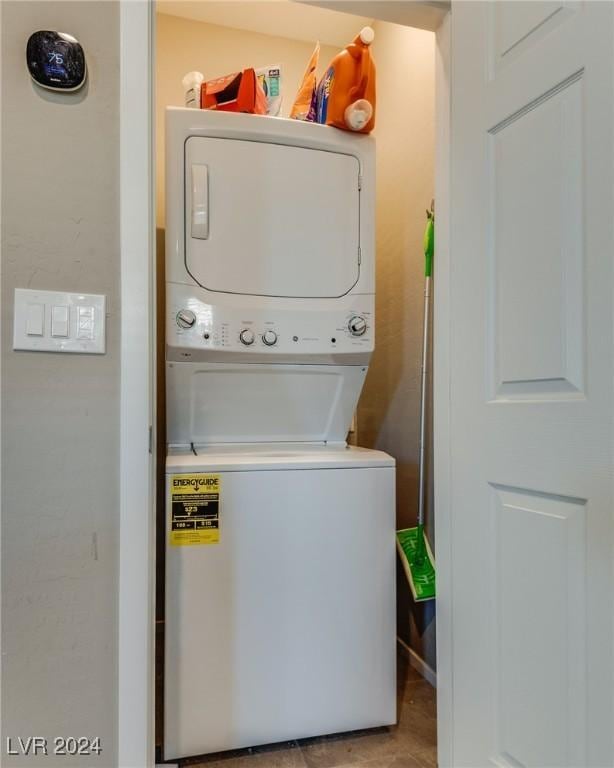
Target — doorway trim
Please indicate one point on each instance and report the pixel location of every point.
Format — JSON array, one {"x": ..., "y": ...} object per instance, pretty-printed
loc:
[
  {"x": 441, "y": 396},
  {"x": 136, "y": 642}
]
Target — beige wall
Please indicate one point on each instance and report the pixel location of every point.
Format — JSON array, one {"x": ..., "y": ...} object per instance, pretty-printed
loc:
[
  {"x": 60, "y": 412},
  {"x": 185, "y": 45},
  {"x": 388, "y": 411}
]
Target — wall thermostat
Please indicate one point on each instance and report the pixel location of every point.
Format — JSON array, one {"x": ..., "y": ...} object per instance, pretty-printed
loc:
[{"x": 56, "y": 61}]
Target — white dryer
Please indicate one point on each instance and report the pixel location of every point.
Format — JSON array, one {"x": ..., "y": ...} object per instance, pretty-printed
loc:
[{"x": 280, "y": 558}]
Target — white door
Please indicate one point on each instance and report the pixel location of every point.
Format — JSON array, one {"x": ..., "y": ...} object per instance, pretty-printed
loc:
[
  {"x": 271, "y": 220},
  {"x": 531, "y": 383}
]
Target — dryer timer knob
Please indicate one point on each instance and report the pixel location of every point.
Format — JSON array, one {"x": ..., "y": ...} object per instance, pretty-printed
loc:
[
  {"x": 186, "y": 318},
  {"x": 269, "y": 338},
  {"x": 357, "y": 326}
]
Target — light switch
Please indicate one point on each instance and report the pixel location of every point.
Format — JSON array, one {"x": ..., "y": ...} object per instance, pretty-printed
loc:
[
  {"x": 35, "y": 319},
  {"x": 59, "y": 321},
  {"x": 85, "y": 322}
]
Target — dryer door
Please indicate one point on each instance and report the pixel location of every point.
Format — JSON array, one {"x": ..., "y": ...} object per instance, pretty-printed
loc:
[{"x": 271, "y": 220}]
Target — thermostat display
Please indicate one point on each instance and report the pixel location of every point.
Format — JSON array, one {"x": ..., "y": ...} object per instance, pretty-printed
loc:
[{"x": 56, "y": 60}]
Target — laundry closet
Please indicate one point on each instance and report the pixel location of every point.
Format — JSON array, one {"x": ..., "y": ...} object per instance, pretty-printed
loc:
[{"x": 289, "y": 291}]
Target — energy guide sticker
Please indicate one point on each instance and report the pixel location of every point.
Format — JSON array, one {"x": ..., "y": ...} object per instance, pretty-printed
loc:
[{"x": 195, "y": 510}]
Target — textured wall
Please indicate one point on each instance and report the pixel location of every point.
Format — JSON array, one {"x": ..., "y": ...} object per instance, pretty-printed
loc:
[
  {"x": 184, "y": 45},
  {"x": 388, "y": 413},
  {"x": 60, "y": 413}
]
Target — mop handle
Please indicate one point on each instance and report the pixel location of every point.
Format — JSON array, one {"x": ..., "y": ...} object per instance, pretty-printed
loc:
[{"x": 429, "y": 249}]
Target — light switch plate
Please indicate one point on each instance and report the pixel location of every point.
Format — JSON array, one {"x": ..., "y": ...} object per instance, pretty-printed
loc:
[{"x": 84, "y": 332}]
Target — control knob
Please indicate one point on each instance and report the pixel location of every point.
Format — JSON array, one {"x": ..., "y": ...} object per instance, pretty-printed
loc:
[
  {"x": 247, "y": 337},
  {"x": 357, "y": 326},
  {"x": 269, "y": 338},
  {"x": 185, "y": 318}
]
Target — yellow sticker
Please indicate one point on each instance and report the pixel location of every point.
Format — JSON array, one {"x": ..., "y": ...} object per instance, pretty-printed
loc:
[{"x": 195, "y": 510}]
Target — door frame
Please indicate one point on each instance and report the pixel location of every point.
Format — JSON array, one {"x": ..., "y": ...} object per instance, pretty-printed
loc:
[
  {"x": 136, "y": 640},
  {"x": 441, "y": 395}
]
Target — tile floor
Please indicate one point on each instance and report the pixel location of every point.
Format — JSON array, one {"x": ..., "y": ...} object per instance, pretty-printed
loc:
[{"x": 410, "y": 744}]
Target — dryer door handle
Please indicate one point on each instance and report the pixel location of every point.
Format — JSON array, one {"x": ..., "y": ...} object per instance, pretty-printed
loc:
[{"x": 200, "y": 202}]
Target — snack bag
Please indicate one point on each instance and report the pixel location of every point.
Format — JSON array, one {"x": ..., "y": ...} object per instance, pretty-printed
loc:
[
  {"x": 304, "y": 107},
  {"x": 269, "y": 79}
]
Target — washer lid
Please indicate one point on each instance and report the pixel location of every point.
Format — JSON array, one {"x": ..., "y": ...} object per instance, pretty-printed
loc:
[
  {"x": 231, "y": 403},
  {"x": 266, "y": 219},
  {"x": 249, "y": 458}
]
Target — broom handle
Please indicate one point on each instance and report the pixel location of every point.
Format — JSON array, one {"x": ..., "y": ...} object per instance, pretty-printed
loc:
[
  {"x": 423, "y": 392},
  {"x": 428, "y": 270}
]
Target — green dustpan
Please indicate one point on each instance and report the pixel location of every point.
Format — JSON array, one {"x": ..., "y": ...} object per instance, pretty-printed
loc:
[{"x": 418, "y": 562}]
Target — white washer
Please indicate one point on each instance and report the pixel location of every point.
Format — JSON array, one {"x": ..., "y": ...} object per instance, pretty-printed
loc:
[
  {"x": 286, "y": 627},
  {"x": 282, "y": 625}
]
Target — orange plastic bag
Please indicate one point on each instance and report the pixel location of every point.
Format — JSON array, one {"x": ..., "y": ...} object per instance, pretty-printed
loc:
[{"x": 346, "y": 92}]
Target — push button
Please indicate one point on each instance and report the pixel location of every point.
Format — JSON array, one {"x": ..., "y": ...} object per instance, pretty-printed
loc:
[
  {"x": 35, "y": 319},
  {"x": 85, "y": 322},
  {"x": 59, "y": 321}
]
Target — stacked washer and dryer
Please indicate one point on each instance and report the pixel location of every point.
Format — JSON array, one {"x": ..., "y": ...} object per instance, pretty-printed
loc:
[{"x": 280, "y": 556}]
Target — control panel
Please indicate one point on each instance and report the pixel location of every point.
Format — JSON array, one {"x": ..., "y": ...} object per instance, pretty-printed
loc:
[{"x": 196, "y": 325}]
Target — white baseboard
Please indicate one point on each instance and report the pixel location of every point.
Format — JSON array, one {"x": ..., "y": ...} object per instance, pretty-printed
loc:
[{"x": 418, "y": 663}]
